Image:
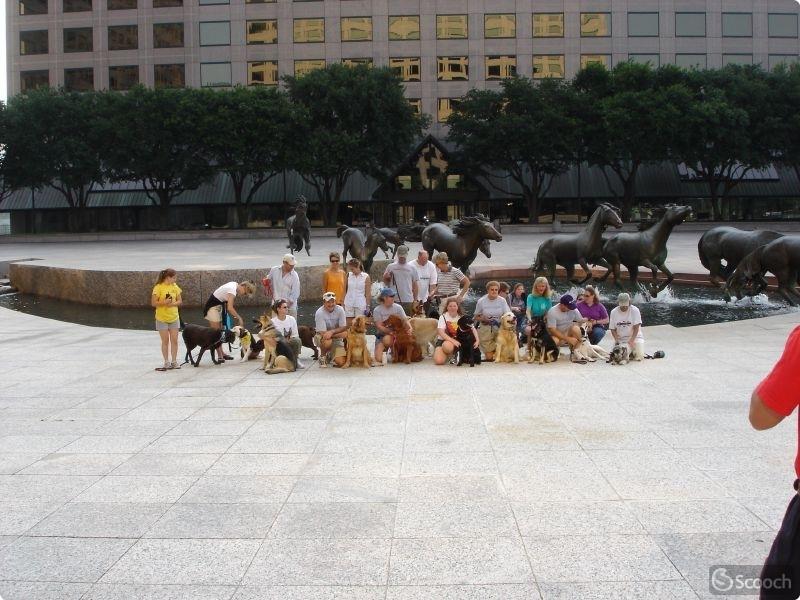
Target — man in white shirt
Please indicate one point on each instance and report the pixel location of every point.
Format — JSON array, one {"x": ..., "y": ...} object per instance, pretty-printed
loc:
[
  {"x": 625, "y": 324},
  {"x": 427, "y": 276},
  {"x": 403, "y": 279},
  {"x": 283, "y": 283}
]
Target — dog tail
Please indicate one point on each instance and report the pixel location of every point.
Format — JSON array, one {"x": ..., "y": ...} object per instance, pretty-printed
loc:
[
  {"x": 340, "y": 230},
  {"x": 277, "y": 370}
]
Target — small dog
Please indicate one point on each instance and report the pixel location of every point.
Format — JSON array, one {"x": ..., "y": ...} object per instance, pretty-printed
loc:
[
  {"x": 357, "y": 350},
  {"x": 207, "y": 338},
  {"x": 307, "y": 334},
  {"x": 467, "y": 352},
  {"x": 542, "y": 347},
  {"x": 245, "y": 344},
  {"x": 405, "y": 346},
  {"x": 417, "y": 309},
  {"x": 507, "y": 347},
  {"x": 426, "y": 332},
  {"x": 588, "y": 351},
  {"x": 278, "y": 355},
  {"x": 618, "y": 355}
]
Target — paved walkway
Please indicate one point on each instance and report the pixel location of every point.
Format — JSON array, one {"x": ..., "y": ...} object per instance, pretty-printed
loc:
[{"x": 413, "y": 482}]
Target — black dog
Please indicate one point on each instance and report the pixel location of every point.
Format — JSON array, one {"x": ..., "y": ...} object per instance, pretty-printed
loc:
[
  {"x": 541, "y": 345},
  {"x": 207, "y": 339},
  {"x": 467, "y": 353}
]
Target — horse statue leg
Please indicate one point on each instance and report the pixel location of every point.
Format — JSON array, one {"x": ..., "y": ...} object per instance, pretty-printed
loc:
[
  {"x": 603, "y": 263},
  {"x": 787, "y": 279},
  {"x": 290, "y": 246},
  {"x": 587, "y": 271},
  {"x": 307, "y": 239},
  {"x": 656, "y": 287},
  {"x": 570, "y": 270}
]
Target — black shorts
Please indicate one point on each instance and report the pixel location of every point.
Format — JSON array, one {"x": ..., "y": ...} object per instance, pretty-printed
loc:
[{"x": 784, "y": 557}]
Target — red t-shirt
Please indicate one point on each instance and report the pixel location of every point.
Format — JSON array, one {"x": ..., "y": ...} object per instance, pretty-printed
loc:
[{"x": 780, "y": 390}]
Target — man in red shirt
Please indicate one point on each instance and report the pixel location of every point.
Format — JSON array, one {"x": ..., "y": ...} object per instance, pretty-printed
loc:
[{"x": 774, "y": 399}]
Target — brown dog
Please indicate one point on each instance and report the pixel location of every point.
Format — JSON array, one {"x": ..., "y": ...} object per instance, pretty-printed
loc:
[
  {"x": 405, "y": 345},
  {"x": 507, "y": 350},
  {"x": 357, "y": 351},
  {"x": 307, "y": 334},
  {"x": 425, "y": 331},
  {"x": 278, "y": 355}
]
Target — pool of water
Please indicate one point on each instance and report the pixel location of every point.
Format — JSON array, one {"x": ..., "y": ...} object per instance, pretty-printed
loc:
[{"x": 678, "y": 305}]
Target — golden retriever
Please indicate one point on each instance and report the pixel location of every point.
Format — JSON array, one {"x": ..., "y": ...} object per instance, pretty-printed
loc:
[
  {"x": 405, "y": 346},
  {"x": 425, "y": 331},
  {"x": 507, "y": 350},
  {"x": 357, "y": 351}
]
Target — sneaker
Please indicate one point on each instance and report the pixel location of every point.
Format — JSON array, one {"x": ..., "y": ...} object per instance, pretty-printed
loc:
[
  {"x": 174, "y": 365},
  {"x": 453, "y": 360},
  {"x": 227, "y": 357},
  {"x": 323, "y": 363}
]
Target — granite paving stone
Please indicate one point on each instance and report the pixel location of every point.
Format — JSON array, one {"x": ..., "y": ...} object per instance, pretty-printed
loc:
[
  {"x": 345, "y": 489},
  {"x": 337, "y": 520},
  {"x": 75, "y": 464},
  {"x": 304, "y": 592},
  {"x": 229, "y": 521},
  {"x": 138, "y": 488},
  {"x": 29, "y": 590},
  {"x": 167, "y": 464},
  {"x": 233, "y": 489},
  {"x": 121, "y": 591},
  {"x": 100, "y": 520},
  {"x": 463, "y": 592},
  {"x": 454, "y": 520}
]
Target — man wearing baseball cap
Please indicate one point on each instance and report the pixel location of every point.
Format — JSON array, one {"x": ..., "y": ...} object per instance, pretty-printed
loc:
[
  {"x": 282, "y": 282},
  {"x": 385, "y": 308},
  {"x": 562, "y": 322},
  {"x": 331, "y": 325},
  {"x": 403, "y": 278},
  {"x": 625, "y": 324}
]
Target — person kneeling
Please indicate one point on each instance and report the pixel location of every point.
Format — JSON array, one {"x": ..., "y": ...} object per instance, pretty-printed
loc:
[
  {"x": 562, "y": 323},
  {"x": 386, "y": 307},
  {"x": 331, "y": 325},
  {"x": 448, "y": 328},
  {"x": 625, "y": 324}
]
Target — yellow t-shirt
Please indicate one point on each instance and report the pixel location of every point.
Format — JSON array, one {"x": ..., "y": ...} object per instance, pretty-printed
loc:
[
  {"x": 166, "y": 314},
  {"x": 334, "y": 282}
]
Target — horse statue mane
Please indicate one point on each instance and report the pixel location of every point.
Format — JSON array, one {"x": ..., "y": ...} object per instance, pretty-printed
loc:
[{"x": 465, "y": 224}]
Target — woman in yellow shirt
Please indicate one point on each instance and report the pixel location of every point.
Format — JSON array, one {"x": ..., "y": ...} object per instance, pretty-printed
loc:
[
  {"x": 334, "y": 278},
  {"x": 166, "y": 299}
]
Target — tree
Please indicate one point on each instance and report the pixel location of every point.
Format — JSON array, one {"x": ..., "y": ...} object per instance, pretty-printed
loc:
[
  {"x": 526, "y": 131},
  {"x": 53, "y": 139},
  {"x": 785, "y": 83},
  {"x": 351, "y": 119},
  {"x": 155, "y": 139},
  {"x": 247, "y": 133}
]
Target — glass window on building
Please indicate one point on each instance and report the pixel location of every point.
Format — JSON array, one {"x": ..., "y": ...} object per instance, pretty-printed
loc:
[
  {"x": 595, "y": 59},
  {"x": 167, "y": 3},
  {"x": 776, "y": 60},
  {"x": 407, "y": 68},
  {"x": 595, "y": 24},
  {"x": 354, "y": 62},
  {"x": 123, "y": 37},
  {"x": 33, "y": 7},
  {"x": 737, "y": 59},
  {"x": 404, "y": 27},
  {"x": 262, "y": 32},
  {"x": 548, "y": 65},
  {"x": 782, "y": 25},
  {"x": 548, "y": 25},
  {"x": 654, "y": 60},
  {"x": 169, "y": 76},
  {"x": 500, "y": 26},
  {"x": 215, "y": 74},
  {"x": 260, "y": 1},
  {"x": 691, "y": 61},
  {"x": 121, "y": 78},
  {"x": 642, "y": 24},
  {"x": 452, "y": 68},
  {"x": 690, "y": 24},
  {"x": 79, "y": 80},
  {"x": 304, "y": 67},
  {"x": 31, "y": 80},
  {"x": 168, "y": 35},
  {"x": 416, "y": 104},
  {"x": 263, "y": 72},
  {"x": 121, "y": 4},
  {"x": 71, "y": 6},
  {"x": 203, "y": 2},
  {"x": 309, "y": 30},
  {"x": 737, "y": 25},
  {"x": 451, "y": 27},
  {"x": 356, "y": 29},
  {"x": 78, "y": 39},
  {"x": 500, "y": 67},
  {"x": 215, "y": 33},
  {"x": 445, "y": 107},
  {"x": 33, "y": 42}
]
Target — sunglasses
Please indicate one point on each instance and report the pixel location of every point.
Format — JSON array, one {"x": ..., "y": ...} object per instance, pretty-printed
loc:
[{"x": 335, "y": 260}]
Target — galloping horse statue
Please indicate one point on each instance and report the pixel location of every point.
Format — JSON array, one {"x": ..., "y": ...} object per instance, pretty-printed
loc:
[
  {"x": 298, "y": 228},
  {"x": 781, "y": 257},
  {"x": 393, "y": 237},
  {"x": 461, "y": 243},
  {"x": 362, "y": 245},
  {"x": 583, "y": 248},
  {"x": 412, "y": 232},
  {"x": 731, "y": 245},
  {"x": 645, "y": 248}
]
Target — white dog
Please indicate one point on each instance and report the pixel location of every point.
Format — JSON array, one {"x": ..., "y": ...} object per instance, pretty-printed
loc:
[{"x": 588, "y": 351}]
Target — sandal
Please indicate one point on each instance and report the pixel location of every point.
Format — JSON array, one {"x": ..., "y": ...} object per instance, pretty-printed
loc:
[
  {"x": 164, "y": 368},
  {"x": 174, "y": 366}
]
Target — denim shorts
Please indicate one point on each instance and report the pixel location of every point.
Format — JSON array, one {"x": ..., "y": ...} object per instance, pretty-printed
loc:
[{"x": 162, "y": 326}]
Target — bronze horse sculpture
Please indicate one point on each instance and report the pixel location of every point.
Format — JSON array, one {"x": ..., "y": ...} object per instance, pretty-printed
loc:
[
  {"x": 298, "y": 228},
  {"x": 412, "y": 232},
  {"x": 731, "y": 245},
  {"x": 583, "y": 248},
  {"x": 461, "y": 243},
  {"x": 781, "y": 257},
  {"x": 645, "y": 248},
  {"x": 393, "y": 237},
  {"x": 362, "y": 245}
]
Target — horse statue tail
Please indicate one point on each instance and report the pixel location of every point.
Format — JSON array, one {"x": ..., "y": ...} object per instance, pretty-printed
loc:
[{"x": 340, "y": 230}]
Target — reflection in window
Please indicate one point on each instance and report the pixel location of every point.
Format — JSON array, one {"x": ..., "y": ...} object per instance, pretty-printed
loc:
[
  {"x": 449, "y": 27},
  {"x": 123, "y": 78},
  {"x": 404, "y": 27},
  {"x": 595, "y": 59},
  {"x": 737, "y": 59},
  {"x": 31, "y": 80},
  {"x": 215, "y": 74},
  {"x": 309, "y": 30},
  {"x": 354, "y": 62},
  {"x": 33, "y": 42},
  {"x": 167, "y": 3},
  {"x": 691, "y": 61},
  {"x": 452, "y": 68},
  {"x": 169, "y": 76},
  {"x": 123, "y": 37},
  {"x": 500, "y": 67},
  {"x": 202, "y": 2},
  {"x": 262, "y": 73},
  {"x": 304, "y": 67},
  {"x": 595, "y": 24},
  {"x": 408, "y": 69},
  {"x": 121, "y": 4},
  {"x": 548, "y": 25},
  {"x": 416, "y": 104},
  {"x": 781, "y": 59},
  {"x": 215, "y": 33},
  {"x": 262, "y": 32},
  {"x": 737, "y": 25},
  {"x": 260, "y": 1},
  {"x": 779, "y": 25},
  {"x": 77, "y": 6},
  {"x": 79, "y": 80},
  {"x": 548, "y": 65},
  {"x": 642, "y": 24},
  {"x": 33, "y": 7},
  {"x": 78, "y": 39},
  {"x": 168, "y": 35},
  {"x": 429, "y": 170},
  {"x": 690, "y": 24},
  {"x": 356, "y": 29},
  {"x": 445, "y": 107},
  {"x": 645, "y": 59},
  {"x": 500, "y": 26}
]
